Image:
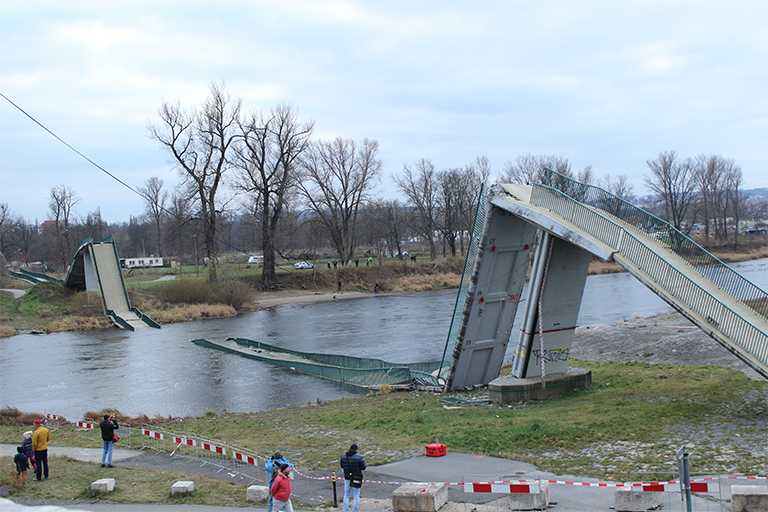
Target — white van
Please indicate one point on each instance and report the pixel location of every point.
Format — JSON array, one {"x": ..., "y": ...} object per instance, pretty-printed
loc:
[{"x": 256, "y": 259}]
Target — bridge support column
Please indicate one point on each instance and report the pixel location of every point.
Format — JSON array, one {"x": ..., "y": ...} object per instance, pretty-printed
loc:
[{"x": 552, "y": 307}]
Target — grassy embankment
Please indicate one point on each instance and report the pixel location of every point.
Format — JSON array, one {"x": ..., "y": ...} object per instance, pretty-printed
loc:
[{"x": 632, "y": 419}]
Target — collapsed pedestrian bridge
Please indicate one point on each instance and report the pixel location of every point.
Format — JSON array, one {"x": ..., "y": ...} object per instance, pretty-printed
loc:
[{"x": 555, "y": 228}]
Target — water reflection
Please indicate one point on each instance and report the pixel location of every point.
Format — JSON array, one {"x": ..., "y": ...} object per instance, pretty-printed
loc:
[{"x": 161, "y": 372}]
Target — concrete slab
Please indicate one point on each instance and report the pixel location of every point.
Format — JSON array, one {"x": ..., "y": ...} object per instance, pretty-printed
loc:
[
  {"x": 103, "y": 485},
  {"x": 534, "y": 501},
  {"x": 257, "y": 493},
  {"x": 628, "y": 500},
  {"x": 749, "y": 498},
  {"x": 419, "y": 498},
  {"x": 183, "y": 487}
]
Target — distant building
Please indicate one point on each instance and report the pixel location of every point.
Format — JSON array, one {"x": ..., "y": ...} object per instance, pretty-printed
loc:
[
  {"x": 141, "y": 262},
  {"x": 47, "y": 224}
]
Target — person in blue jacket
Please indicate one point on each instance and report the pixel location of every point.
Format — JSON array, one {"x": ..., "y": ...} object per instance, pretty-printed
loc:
[
  {"x": 351, "y": 462},
  {"x": 273, "y": 468}
]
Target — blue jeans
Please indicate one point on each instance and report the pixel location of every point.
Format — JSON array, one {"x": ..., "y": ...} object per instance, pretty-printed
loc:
[
  {"x": 355, "y": 496},
  {"x": 107, "y": 453}
]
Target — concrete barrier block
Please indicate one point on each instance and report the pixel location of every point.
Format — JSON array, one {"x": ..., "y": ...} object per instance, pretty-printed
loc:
[
  {"x": 628, "y": 500},
  {"x": 257, "y": 493},
  {"x": 183, "y": 487},
  {"x": 749, "y": 498},
  {"x": 537, "y": 501},
  {"x": 103, "y": 485},
  {"x": 419, "y": 498}
]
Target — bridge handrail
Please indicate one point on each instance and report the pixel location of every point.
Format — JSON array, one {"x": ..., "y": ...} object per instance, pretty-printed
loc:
[
  {"x": 696, "y": 256},
  {"x": 740, "y": 330}
]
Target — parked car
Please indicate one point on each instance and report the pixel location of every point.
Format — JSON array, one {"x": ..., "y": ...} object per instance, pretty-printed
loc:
[{"x": 303, "y": 264}]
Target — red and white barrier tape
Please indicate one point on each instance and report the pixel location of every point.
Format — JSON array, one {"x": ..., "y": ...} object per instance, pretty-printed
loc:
[
  {"x": 85, "y": 425},
  {"x": 533, "y": 486}
]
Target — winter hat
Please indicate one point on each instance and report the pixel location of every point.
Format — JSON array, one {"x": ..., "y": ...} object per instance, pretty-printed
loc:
[
  {"x": 28, "y": 433},
  {"x": 106, "y": 416},
  {"x": 277, "y": 455},
  {"x": 283, "y": 467},
  {"x": 353, "y": 448},
  {"x": 38, "y": 422},
  {"x": 19, "y": 449}
]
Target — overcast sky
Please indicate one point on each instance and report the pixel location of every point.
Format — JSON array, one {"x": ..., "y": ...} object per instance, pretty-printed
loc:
[{"x": 604, "y": 83}]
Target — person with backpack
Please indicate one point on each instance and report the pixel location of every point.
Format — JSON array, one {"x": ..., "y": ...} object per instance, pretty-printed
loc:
[
  {"x": 281, "y": 490},
  {"x": 26, "y": 444},
  {"x": 353, "y": 465},
  {"x": 108, "y": 427}
]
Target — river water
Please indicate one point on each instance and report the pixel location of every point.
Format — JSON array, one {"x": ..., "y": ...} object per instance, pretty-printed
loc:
[{"x": 159, "y": 372}]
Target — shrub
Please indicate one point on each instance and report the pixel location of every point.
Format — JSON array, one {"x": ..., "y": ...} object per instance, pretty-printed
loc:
[
  {"x": 233, "y": 292},
  {"x": 186, "y": 291},
  {"x": 85, "y": 304}
]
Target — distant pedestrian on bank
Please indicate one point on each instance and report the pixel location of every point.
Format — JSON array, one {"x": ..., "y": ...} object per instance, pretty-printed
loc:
[
  {"x": 329, "y": 265},
  {"x": 26, "y": 444},
  {"x": 353, "y": 465},
  {"x": 40, "y": 439},
  {"x": 376, "y": 288},
  {"x": 281, "y": 490},
  {"x": 339, "y": 284},
  {"x": 357, "y": 262},
  {"x": 273, "y": 468},
  {"x": 22, "y": 465},
  {"x": 108, "y": 427}
]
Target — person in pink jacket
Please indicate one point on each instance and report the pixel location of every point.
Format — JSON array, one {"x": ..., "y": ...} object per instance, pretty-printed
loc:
[{"x": 281, "y": 490}]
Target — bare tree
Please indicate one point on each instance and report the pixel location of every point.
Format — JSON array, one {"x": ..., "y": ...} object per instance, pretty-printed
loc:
[
  {"x": 674, "y": 183},
  {"x": 532, "y": 169},
  {"x": 180, "y": 234},
  {"x": 420, "y": 187},
  {"x": 338, "y": 177},
  {"x": 8, "y": 224},
  {"x": 735, "y": 182},
  {"x": 620, "y": 187},
  {"x": 199, "y": 142},
  {"x": 268, "y": 164},
  {"x": 396, "y": 226},
  {"x": 61, "y": 205},
  {"x": 155, "y": 199}
]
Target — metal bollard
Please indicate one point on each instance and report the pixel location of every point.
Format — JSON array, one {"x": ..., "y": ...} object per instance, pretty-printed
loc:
[{"x": 335, "y": 503}]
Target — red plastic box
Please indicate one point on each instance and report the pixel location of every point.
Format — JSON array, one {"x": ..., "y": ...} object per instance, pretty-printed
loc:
[{"x": 436, "y": 449}]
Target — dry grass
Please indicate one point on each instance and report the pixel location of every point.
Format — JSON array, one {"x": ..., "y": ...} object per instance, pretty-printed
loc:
[
  {"x": 13, "y": 416},
  {"x": 6, "y": 331},
  {"x": 184, "y": 313},
  {"x": 80, "y": 323},
  {"x": 423, "y": 283},
  {"x": 599, "y": 267}
]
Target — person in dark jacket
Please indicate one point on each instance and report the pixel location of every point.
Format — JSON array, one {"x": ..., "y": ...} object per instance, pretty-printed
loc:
[
  {"x": 351, "y": 462},
  {"x": 21, "y": 466},
  {"x": 108, "y": 427},
  {"x": 26, "y": 444}
]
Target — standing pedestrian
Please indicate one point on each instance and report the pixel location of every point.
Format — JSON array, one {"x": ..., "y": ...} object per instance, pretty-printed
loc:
[
  {"x": 40, "y": 439},
  {"x": 273, "y": 468},
  {"x": 281, "y": 490},
  {"x": 26, "y": 444},
  {"x": 108, "y": 427},
  {"x": 353, "y": 465},
  {"x": 22, "y": 465}
]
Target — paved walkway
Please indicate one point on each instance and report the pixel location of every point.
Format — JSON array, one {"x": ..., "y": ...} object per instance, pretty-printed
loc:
[
  {"x": 453, "y": 467},
  {"x": 17, "y": 293}
]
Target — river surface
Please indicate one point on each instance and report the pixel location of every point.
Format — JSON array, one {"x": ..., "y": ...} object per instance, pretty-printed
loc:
[{"x": 159, "y": 372}]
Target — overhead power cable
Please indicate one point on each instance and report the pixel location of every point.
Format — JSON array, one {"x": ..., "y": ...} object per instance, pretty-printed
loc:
[{"x": 41, "y": 125}]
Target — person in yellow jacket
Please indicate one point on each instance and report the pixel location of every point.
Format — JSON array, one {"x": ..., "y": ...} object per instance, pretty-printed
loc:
[{"x": 40, "y": 440}]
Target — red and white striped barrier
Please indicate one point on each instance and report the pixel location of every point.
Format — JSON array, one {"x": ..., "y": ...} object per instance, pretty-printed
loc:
[
  {"x": 516, "y": 488},
  {"x": 185, "y": 441},
  {"x": 52, "y": 416},
  {"x": 152, "y": 433},
  {"x": 85, "y": 425},
  {"x": 245, "y": 458},
  {"x": 215, "y": 449}
]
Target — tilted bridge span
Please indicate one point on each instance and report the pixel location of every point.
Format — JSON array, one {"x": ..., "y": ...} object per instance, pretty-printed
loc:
[{"x": 555, "y": 228}]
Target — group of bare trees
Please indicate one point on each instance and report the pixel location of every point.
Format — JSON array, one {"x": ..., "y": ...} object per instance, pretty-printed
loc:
[
  {"x": 707, "y": 188},
  {"x": 256, "y": 181}
]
